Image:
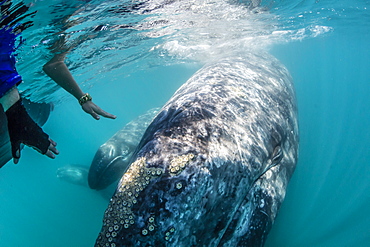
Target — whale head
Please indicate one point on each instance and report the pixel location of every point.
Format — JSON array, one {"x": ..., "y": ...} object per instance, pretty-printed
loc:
[
  {"x": 109, "y": 163},
  {"x": 112, "y": 158},
  {"x": 213, "y": 166}
]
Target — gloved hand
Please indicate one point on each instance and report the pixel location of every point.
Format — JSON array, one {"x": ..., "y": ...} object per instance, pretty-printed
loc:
[{"x": 22, "y": 129}]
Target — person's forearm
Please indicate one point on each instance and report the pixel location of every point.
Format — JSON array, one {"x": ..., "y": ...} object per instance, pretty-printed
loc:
[{"x": 58, "y": 71}]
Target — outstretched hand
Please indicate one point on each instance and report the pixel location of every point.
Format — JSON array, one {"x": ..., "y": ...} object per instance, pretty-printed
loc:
[
  {"x": 22, "y": 129},
  {"x": 50, "y": 152},
  {"x": 94, "y": 110}
]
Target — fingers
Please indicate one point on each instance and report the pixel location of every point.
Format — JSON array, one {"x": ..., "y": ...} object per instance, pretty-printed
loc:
[
  {"x": 17, "y": 155},
  {"x": 88, "y": 107},
  {"x": 52, "y": 147},
  {"x": 52, "y": 150},
  {"x": 50, "y": 154},
  {"x": 107, "y": 115},
  {"x": 94, "y": 110},
  {"x": 52, "y": 142},
  {"x": 103, "y": 113},
  {"x": 94, "y": 115}
]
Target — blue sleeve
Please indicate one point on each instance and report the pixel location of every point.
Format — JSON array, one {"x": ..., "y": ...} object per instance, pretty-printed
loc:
[{"x": 9, "y": 76}]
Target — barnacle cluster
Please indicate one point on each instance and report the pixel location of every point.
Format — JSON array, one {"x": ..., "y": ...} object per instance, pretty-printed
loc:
[
  {"x": 169, "y": 233},
  {"x": 149, "y": 227},
  {"x": 119, "y": 212},
  {"x": 178, "y": 164}
]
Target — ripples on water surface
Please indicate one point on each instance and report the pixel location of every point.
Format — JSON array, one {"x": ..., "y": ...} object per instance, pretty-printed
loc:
[
  {"x": 110, "y": 35},
  {"x": 132, "y": 56}
]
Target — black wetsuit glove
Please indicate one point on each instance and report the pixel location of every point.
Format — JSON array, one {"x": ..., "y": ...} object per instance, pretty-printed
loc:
[{"x": 22, "y": 129}]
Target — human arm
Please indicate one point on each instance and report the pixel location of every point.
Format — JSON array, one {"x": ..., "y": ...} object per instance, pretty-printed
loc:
[{"x": 57, "y": 70}]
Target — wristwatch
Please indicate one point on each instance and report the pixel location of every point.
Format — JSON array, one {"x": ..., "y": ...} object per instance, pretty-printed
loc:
[{"x": 86, "y": 97}]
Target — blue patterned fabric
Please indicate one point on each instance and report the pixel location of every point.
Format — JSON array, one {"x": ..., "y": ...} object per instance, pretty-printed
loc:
[{"x": 9, "y": 76}]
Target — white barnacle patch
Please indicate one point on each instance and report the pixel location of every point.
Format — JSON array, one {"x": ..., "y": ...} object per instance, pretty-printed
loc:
[
  {"x": 151, "y": 219},
  {"x": 178, "y": 164},
  {"x": 135, "y": 180},
  {"x": 168, "y": 233},
  {"x": 151, "y": 228},
  {"x": 179, "y": 185},
  {"x": 144, "y": 232}
]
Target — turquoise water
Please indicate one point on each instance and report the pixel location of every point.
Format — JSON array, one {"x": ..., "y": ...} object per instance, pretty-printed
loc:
[{"x": 325, "y": 46}]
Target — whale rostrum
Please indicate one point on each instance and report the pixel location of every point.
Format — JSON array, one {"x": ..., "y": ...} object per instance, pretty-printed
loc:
[{"x": 213, "y": 166}]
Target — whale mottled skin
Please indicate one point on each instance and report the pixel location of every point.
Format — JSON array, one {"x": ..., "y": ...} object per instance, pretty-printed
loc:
[{"x": 213, "y": 166}]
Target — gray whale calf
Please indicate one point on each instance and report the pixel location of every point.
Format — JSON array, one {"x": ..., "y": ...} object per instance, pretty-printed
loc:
[
  {"x": 112, "y": 157},
  {"x": 213, "y": 166}
]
